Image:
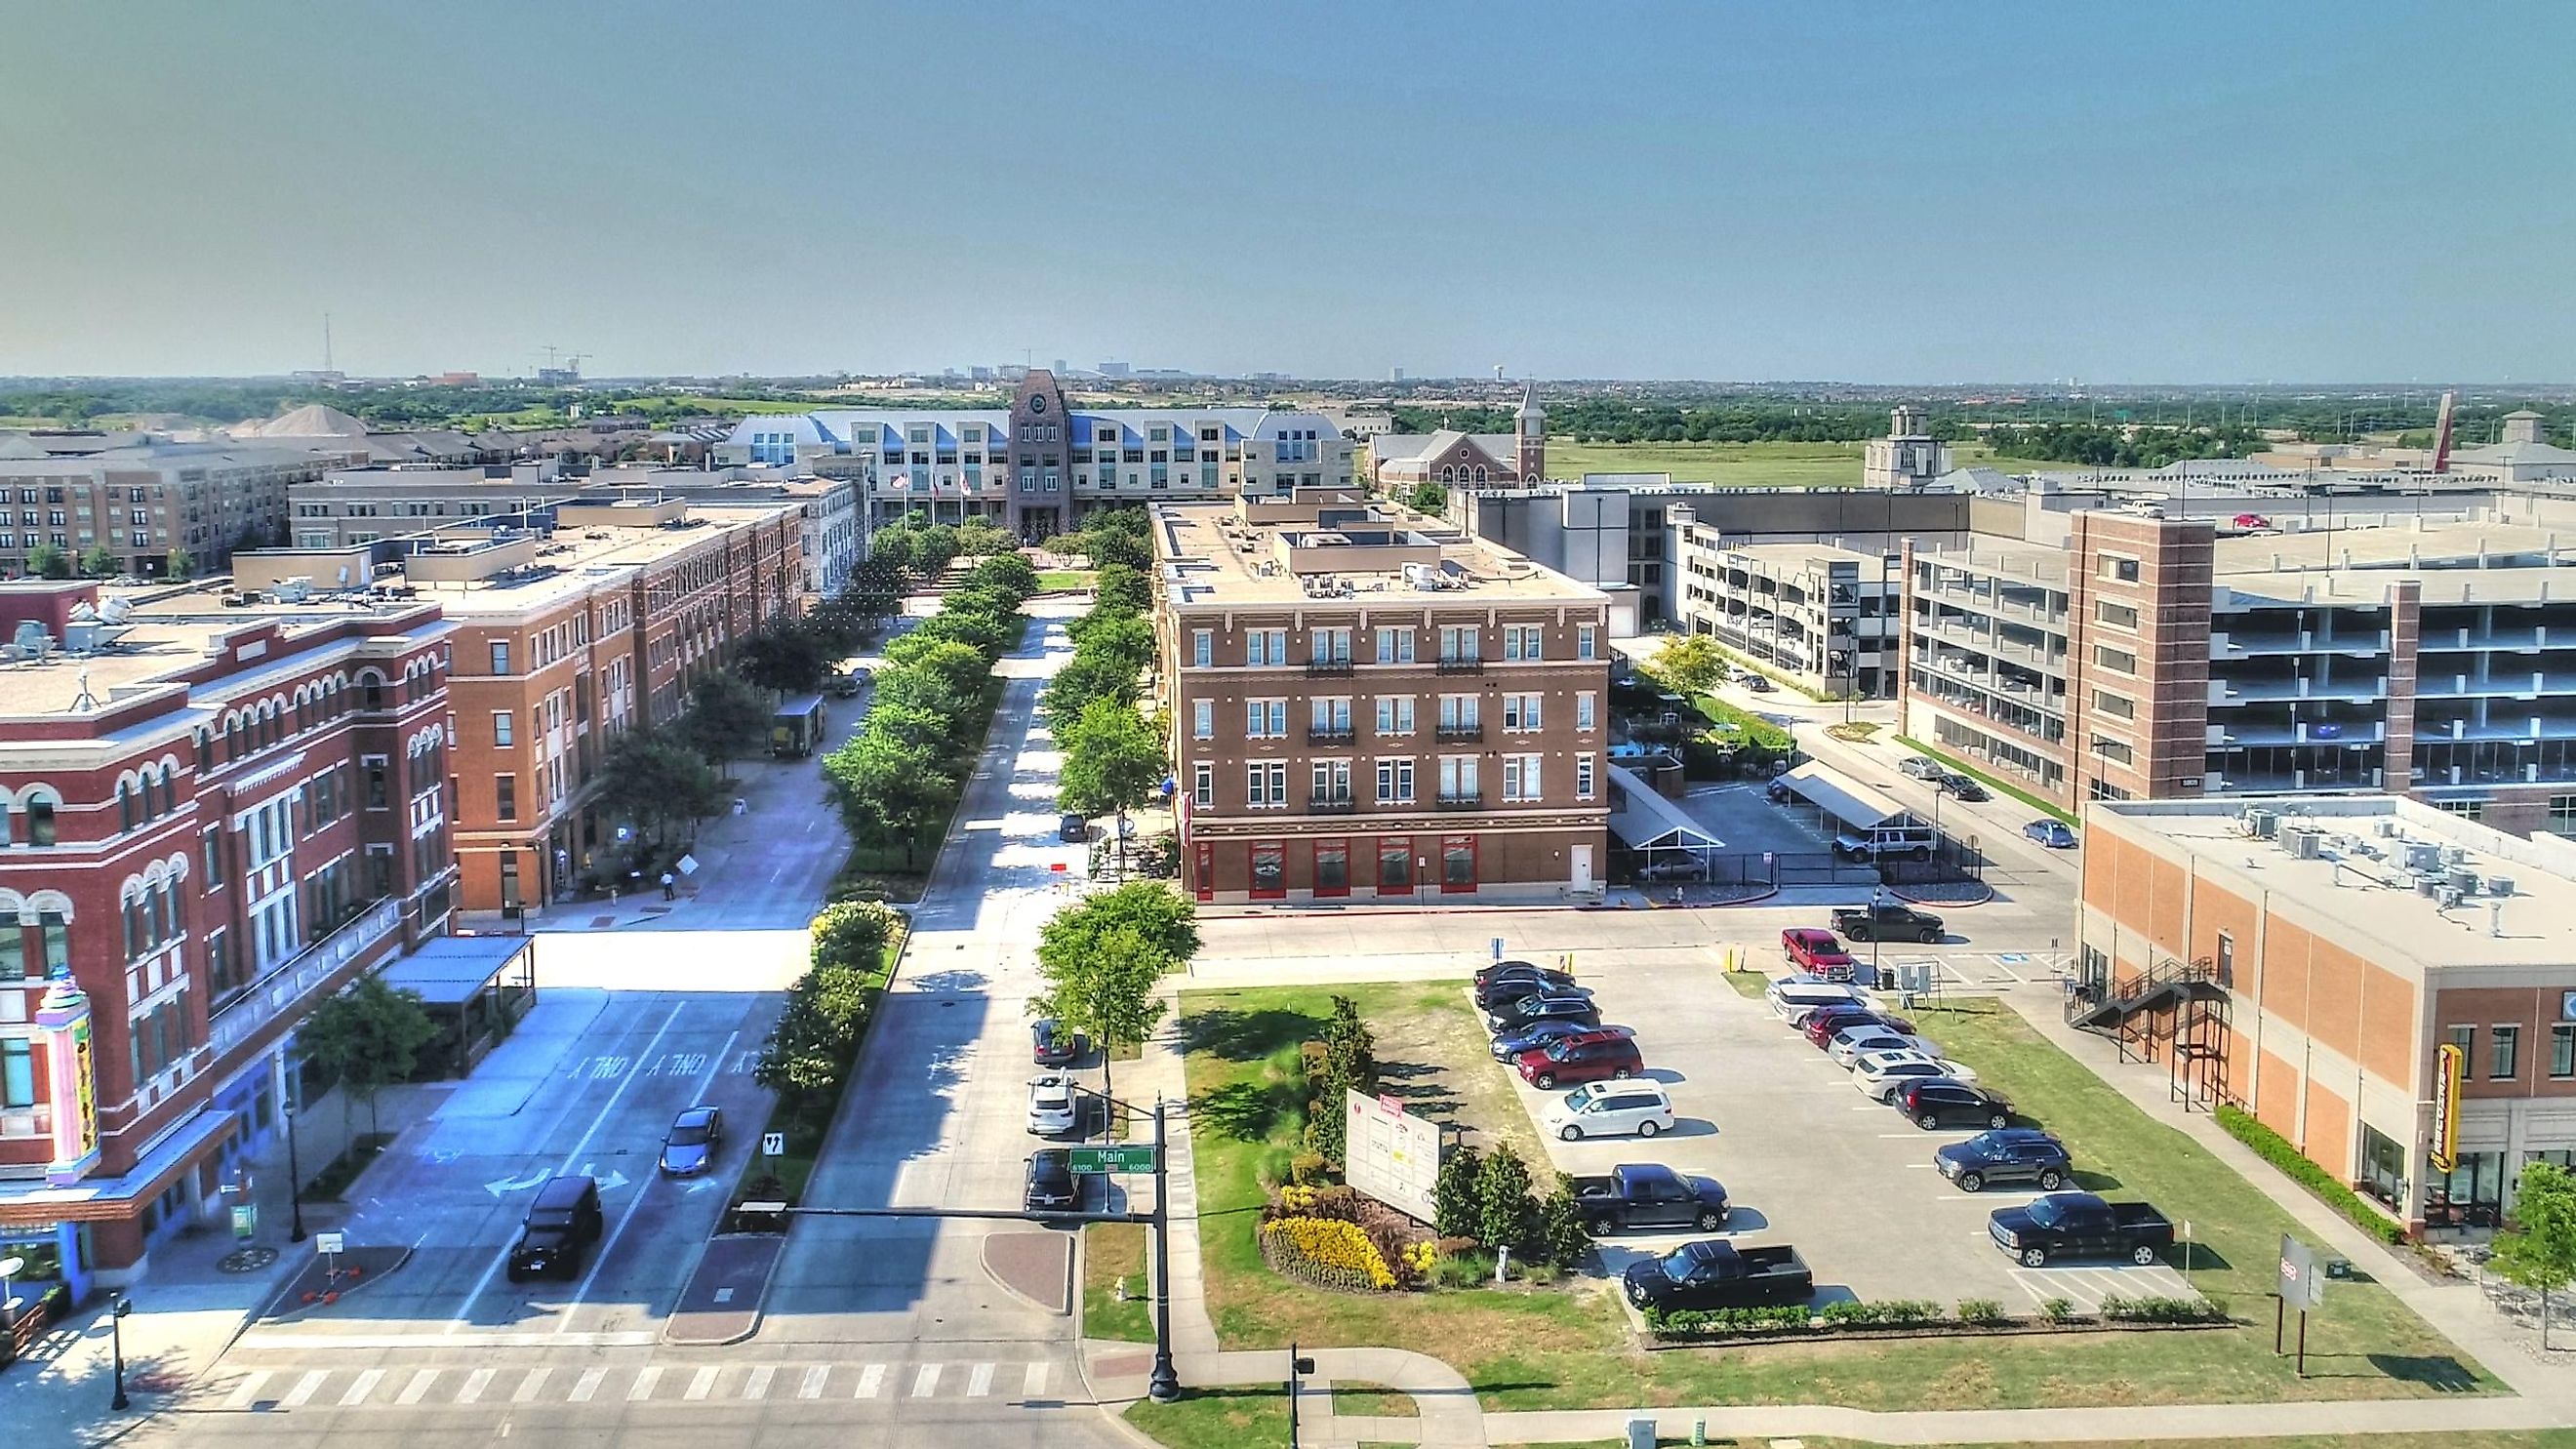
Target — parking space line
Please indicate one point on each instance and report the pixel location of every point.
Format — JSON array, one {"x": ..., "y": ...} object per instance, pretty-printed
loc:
[
  {"x": 869, "y": 1379},
  {"x": 526, "y": 1392},
  {"x": 757, "y": 1386},
  {"x": 246, "y": 1392},
  {"x": 979, "y": 1381},
  {"x": 811, "y": 1387},
  {"x": 362, "y": 1386},
  {"x": 645, "y": 1378},
  {"x": 304, "y": 1390},
  {"x": 475, "y": 1383},
  {"x": 1034, "y": 1384},
  {"x": 701, "y": 1383},
  {"x": 926, "y": 1382},
  {"x": 418, "y": 1387},
  {"x": 587, "y": 1385}
]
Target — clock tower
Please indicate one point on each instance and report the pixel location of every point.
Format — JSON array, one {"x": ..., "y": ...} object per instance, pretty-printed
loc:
[
  {"x": 1532, "y": 437},
  {"x": 1041, "y": 441}
]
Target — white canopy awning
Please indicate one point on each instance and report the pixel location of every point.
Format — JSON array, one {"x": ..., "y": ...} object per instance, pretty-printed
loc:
[
  {"x": 1844, "y": 798},
  {"x": 1648, "y": 821}
]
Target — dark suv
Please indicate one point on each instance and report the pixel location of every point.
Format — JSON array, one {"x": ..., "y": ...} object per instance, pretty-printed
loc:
[
  {"x": 1580, "y": 1061},
  {"x": 1507, "y": 983},
  {"x": 2014, "y": 1154},
  {"x": 1944, "y": 1102},
  {"x": 562, "y": 1224},
  {"x": 1530, "y": 1010}
]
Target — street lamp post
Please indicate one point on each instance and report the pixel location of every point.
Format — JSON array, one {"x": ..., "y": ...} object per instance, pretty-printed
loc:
[
  {"x": 1297, "y": 1368},
  {"x": 1877, "y": 897},
  {"x": 1165, "y": 1384},
  {"x": 116, "y": 1332},
  {"x": 294, "y": 1179}
]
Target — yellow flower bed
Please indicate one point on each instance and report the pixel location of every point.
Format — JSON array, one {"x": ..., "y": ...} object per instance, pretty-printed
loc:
[{"x": 1327, "y": 1252}]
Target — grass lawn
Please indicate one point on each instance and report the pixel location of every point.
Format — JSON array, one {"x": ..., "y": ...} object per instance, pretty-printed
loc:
[
  {"x": 1239, "y": 1418},
  {"x": 1061, "y": 581},
  {"x": 1111, "y": 1251},
  {"x": 1743, "y": 726},
  {"x": 1559, "y": 1349},
  {"x": 1370, "y": 1401},
  {"x": 2000, "y": 786},
  {"x": 1742, "y": 465},
  {"x": 1748, "y": 984}
]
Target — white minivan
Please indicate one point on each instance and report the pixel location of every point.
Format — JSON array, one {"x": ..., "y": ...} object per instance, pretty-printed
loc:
[
  {"x": 1792, "y": 999},
  {"x": 1611, "y": 1109}
]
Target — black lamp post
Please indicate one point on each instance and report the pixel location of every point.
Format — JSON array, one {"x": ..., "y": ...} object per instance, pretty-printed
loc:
[
  {"x": 116, "y": 1332},
  {"x": 1877, "y": 898},
  {"x": 294, "y": 1180},
  {"x": 1297, "y": 1368}
]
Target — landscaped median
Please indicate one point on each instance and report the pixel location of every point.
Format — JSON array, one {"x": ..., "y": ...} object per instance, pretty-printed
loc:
[
  {"x": 814, "y": 1044},
  {"x": 1569, "y": 1345}
]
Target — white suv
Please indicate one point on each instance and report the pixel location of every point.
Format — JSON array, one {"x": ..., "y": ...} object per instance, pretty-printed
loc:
[
  {"x": 1611, "y": 1109},
  {"x": 1051, "y": 1105}
]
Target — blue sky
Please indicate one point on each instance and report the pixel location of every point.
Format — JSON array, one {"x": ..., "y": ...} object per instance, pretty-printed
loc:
[{"x": 1882, "y": 193}]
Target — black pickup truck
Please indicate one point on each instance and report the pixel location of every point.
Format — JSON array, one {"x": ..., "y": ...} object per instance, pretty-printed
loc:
[
  {"x": 1644, "y": 1195},
  {"x": 2080, "y": 1225},
  {"x": 1887, "y": 921},
  {"x": 1718, "y": 1274}
]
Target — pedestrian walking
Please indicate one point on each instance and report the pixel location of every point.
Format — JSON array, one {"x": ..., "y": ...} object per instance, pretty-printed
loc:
[{"x": 670, "y": 886}]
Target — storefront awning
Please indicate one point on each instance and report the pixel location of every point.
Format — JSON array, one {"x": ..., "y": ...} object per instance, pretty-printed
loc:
[{"x": 452, "y": 970}]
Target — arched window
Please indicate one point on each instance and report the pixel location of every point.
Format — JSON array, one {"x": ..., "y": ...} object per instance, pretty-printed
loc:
[
  {"x": 374, "y": 691},
  {"x": 1480, "y": 472},
  {"x": 124, "y": 805},
  {"x": 40, "y": 820}
]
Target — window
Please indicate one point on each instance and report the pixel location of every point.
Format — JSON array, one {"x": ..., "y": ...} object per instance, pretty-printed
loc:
[
  {"x": 1395, "y": 646},
  {"x": 1520, "y": 711},
  {"x": 1395, "y": 782},
  {"x": 40, "y": 822},
  {"x": 55, "y": 935},
  {"x": 2111, "y": 749},
  {"x": 1583, "y": 715},
  {"x": 2562, "y": 1050},
  {"x": 2122, "y": 570},
  {"x": 1458, "y": 712},
  {"x": 2118, "y": 659},
  {"x": 505, "y": 796},
  {"x": 17, "y": 1072},
  {"x": 1265, "y": 718},
  {"x": 500, "y": 656},
  {"x": 1523, "y": 641},
  {"x": 2118, "y": 615},
  {"x": 2117, "y": 706},
  {"x": 1265, "y": 646},
  {"x": 1329, "y": 714},
  {"x": 1457, "y": 863},
  {"x": 2226, "y": 959},
  {"x": 1332, "y": 868},
  {"x": 1203, "y": 784},
  {"x": 2503, "y": 1043},
  {"x": 1395, "y": 714},
  {"x": 1458, "y": 777},
  {"x": 1332, "y": 646},
  {"x": 1265, "y": 783},
  {"x": 1394, "y": 865},
  {"x": 2465, "y": 1038},
  {"x": 1332, "y": 780},
  {"x": 13, "y": 951},
  {"x": 1583, "y": 777},
  {"x": 501, "y": 733},
  {"x": 1585, "y": 645},
  {"x": 1459, "y": 642},
  {"x": 1203, "y": 719},
  {"x": 1202, "y": 648},
  {"x": 2562, "y": 813},
  {"x": 1269, "y": 870},
  {"x": 375, "y": 784},
  {"x": 2465, "y": 809},
  {"x": 1520, "y": 777}
]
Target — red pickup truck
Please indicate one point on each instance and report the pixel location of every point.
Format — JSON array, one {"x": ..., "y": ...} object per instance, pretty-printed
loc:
[{"x": 1816, "y": 950}]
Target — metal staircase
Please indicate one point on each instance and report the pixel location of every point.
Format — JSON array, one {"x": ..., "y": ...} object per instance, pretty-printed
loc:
[{"x": 2175, "y": 1010}]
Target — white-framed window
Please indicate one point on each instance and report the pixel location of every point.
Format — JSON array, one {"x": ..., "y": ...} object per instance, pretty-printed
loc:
[
  {"x": 1265, "y": 783},
  {"x": 1583, "y": 710},
  {"x": 1457, "y": 777},
  {"x": 1332, "y": 646},
  {"x": 1395, "y": 714},
  {"x": 1203, "y": 784},
  {"x": 1520, "y": 777},
  {"x": 1520, "y": 711},
  {"x": 1583, "y": 777},
  {"x": 1395, "y": 646},
  {"x": 1203, "y": 719},
  {"x": 1395, "y": 782},
  {"x": 1332, "y": 779},
  {"x": 1330, "y": 712},
  {"x": 1202, "y": 648},
  {"x": 1523, "y": 641},
  {"x": 1265, "y": 646},
  {"x": 1265, "y": 719},
  {"x": 1458, "y": 711},
  {"x": 502, "y": 733},
  {"x": 1460, "y": 642},
  {"x": 1586, "y": 641}
]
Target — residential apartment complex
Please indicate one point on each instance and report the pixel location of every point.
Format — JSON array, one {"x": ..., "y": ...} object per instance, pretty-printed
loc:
[
  {"x": 565, "y": 638},
  {"x": 1823, "y": 614},
  {"x": 1038, "y": 466},
  {"x": 142, "y": 500},
  {"x": 1365, "y": 704},
  {"x": 2346, "y": 967},
  {"x": 211, "y": 817}
]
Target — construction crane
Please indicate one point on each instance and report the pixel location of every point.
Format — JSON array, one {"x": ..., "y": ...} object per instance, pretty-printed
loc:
[{"x": 560, "y": 373}]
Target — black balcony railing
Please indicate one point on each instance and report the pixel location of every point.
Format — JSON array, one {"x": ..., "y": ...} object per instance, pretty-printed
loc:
[
  {"x": 1469, "y": 800},
  {"x": 1459, "y": 734},
  {"x": 1341, "y": 803},
  {"x": 1469, "y": 665},
  {"x": 1329, "y": 734},
  {"x": 1328, "y": 666}
]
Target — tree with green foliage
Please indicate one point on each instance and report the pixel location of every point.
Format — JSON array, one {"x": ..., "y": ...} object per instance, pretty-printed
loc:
[
  {"x": 928, "y": 691},
  {"x": 2539, "y": 1250},
  {"x": 789, "y": 656},
  {"x": 1065, "y": 545},
  {"x": 1506, "y": 1215},
  {"x": 988, "y": 634},
  {"x": 1562, "y": 1237},
  {"x": 913, "y": 725},
  {"x": 852, "y": 933},
  {"x": 1428, "y": 498},
  {"x": 48, "y": 561},
  {"x": 1690, "y": 665},
  {"x": 180, "y": 565},
  {"x": 1008, "y": 573},
  {"x": 1113, "y": 634},
  {"x": 1349, "y": 1065},
  {"x": 658, "y": 781},
  {"x": 983, "y": 538},
  {"x": 890, "y": 790},
  {"x": 1109, "y": 546},
  {"x": 98, "y": 562},
  {"x": 1123, "y": 590},
  {"x": 1103, "y": 959},
  {"x": 936, "y": 550},
  {"x": 875, "y": 586},
  {"x": 960, "y": 669},
  {"x": 1453, "y": 1193},
  {"x": 1113, "y": 761},
  {"x": 367, "y": 1037},
  {"x": 727, "y": 719}
]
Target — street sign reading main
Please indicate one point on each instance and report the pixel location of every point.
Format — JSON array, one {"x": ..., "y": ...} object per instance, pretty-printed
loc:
[{"x": 1113, "y": 1159}]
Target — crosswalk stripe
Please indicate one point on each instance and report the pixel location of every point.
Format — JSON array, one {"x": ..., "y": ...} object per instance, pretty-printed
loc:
[
  {"x": 304, "y": 1390},
  {"x": 926, "y": 1382},
  {"x": 979, "y": 1381},
  {"x": 812, "y": 1385},
  {"x": 364, "y": 1385},
  {"x": 246, "y": 1393},
  {"x": 587, "y": 1385},
  {"x": 475, "y": 1383},
  {"x": 645, "y": 1378},
  {"x": 526, "y": 1392},
  {"x": 1034, "y": 1386},
  {"x": 757, "y": 1386},
  {"x": 701, "y": 1383},
  {"x": 869, "y": 1378},
  {"x": 418, "y": 1387}
]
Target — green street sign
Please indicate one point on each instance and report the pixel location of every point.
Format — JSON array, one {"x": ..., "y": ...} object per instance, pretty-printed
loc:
[{"x": 1113, "y": 1159}]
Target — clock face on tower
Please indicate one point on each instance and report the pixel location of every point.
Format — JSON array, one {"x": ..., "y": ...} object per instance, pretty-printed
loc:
[{"x": 1037, "y": 403}]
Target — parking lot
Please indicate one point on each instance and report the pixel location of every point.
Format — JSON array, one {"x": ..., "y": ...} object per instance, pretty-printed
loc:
[{"x": 1809, "y": 1161}]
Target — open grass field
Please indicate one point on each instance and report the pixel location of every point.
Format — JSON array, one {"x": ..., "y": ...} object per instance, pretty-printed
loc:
[
  {"x": 1752, "y": 465},
  {"x": 1569, "y": 1347},
  {"x": 1111, "y": 1251}
]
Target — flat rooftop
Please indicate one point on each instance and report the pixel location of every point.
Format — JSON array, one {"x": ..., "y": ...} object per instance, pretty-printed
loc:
[
  {"x": 169, "y": 630},
  {"x": 2011, "y": 557},
  {"x": 2434, "y": 546},
  {"x": 1792, "y": 554},
  {"x": 2358, "y": 886},
  {"x": 1209, "y": 556}
]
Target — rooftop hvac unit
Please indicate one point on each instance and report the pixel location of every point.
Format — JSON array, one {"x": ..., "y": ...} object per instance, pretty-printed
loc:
[
  {"x": 2464, "y": 879},
  {"x": 2261, "y": 823},
  {"x": 2450, "y": 898},
  {"x": 2428, "y": 886},
  {"x": 2499, "y": 885},
  {"x": 2303, "y": 844},
  {"x": 2453, "y": 855},
  {"x": 2423, "y": 855},
  {"x": 2384, "y": 826}
]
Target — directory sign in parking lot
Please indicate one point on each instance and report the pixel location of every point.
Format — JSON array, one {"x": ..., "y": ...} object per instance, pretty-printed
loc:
[
  {"x": 1393, "y": 1155},
  {"x": 2302, "y": 1286}
]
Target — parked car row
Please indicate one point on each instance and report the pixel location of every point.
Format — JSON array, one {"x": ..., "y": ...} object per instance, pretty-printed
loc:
[{"x": 1549, "y": 1030}]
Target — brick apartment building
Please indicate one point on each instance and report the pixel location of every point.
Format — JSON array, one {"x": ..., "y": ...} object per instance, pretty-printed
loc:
[
  {"x": 141, "y": 498},
  {"x": 2311, "y": 958},
  {"x": 563, "y": 640},
  {"x": 211, "y": 817},
  {"x": 1365, "y": 704}
]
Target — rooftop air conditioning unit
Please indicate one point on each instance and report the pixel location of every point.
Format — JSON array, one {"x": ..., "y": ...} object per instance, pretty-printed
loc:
[
  {"x": 2423, "y": 855},
  {"x": 2464, "y": 879},
  {"x": 2261, "y": 824},
  {"x": 2499, "y": 885},
  {"x": 2428, "y": 886},
  {"x": 2384, "y": 826},
  {"x": 2304, "y": 844}
]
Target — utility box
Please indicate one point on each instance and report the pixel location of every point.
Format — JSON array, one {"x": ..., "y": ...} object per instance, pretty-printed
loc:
[{"x": 1641, "y": 1434}]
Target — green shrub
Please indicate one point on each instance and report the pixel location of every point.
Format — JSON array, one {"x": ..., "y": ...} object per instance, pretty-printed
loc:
[
  {"x": 1473, "y": 1268},
  {"x": 1309, "y": 1169},
  {"x": 1275, "y": 1167},
  {"x": 1562, "y": 1238},
  {"x": 1453, "y": 1195},
  {"x": 1505, "y": 1213},
  {"x": 2163, "y": 1310},
  {"x": 1980, "y": 1310},
  {"x": 1849, "y": 1311},
  {"x": 2057, "y": 1310},
  {"x": 1765, "y": 1319},
  {"x": 1852, "y": 1313},
  {"x": 2275, "y": 1149}
]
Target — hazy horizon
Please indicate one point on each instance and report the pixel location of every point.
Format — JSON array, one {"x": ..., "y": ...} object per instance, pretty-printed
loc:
[{"x": 1844, "y": 193}]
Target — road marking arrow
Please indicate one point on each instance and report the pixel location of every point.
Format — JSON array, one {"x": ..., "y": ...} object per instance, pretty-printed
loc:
[
  {"x": 503, "y": 1185},
  {"x": 614, "y": 1180}
]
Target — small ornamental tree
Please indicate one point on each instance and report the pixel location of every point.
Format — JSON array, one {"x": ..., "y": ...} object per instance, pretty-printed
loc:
[
  {"x": 1690, "y": 665},
  {"x": 1453, "y": 1194},
  {"x": 367, "y": 1037},
  {"x": 1505, "y": 1214},
  {"x": 2539, "y": 1251},
  {"x": 1562, "y": 1237}
]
